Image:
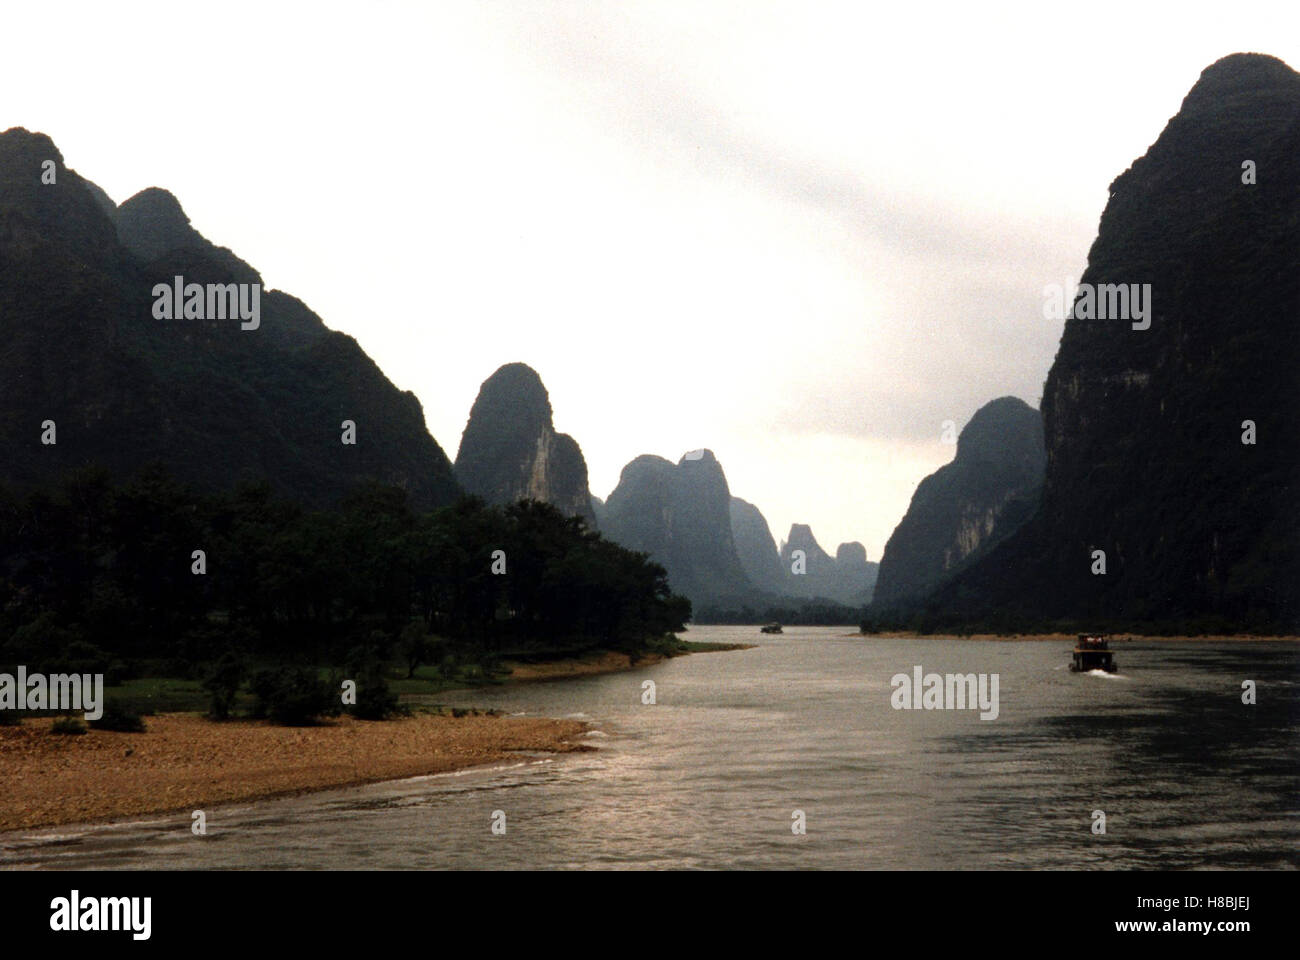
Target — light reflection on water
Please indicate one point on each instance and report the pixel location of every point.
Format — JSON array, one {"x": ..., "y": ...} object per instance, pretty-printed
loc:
[{"x": 708, "y": 776}]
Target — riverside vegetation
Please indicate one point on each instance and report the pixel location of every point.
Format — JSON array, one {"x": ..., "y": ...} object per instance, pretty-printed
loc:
[{"x": 252, "y": 604}]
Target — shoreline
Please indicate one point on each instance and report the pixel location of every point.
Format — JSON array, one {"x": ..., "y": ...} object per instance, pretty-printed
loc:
[
  {"x": 1071, "y": 638},
  {"x": 596, "y": 663},
  {"x": 185, "y": 762}
]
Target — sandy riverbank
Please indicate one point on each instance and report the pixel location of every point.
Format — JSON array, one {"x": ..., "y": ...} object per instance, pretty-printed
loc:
[
  {"x": 606, "y": 661},
  {"x": 184, "y": 762}
]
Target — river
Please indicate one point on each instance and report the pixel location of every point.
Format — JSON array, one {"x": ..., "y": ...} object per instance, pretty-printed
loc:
[{"x": 711, "y": 774}]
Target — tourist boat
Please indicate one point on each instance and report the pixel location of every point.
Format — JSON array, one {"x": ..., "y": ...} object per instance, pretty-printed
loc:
[
  {"x": 1093, "y": 653},
  {"x": 772, "y": 628}
]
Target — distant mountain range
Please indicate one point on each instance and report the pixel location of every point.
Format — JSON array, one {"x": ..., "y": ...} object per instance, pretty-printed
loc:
[
  {"x": 97, "y": 366},
  {"x": 718, "y": 549},
  {"x": 845, "y": 578},
  {"x": 680, "y": 514},
  {"x": 1156, "y": 489}
]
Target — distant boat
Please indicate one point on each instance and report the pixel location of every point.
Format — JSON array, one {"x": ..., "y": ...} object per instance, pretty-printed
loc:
[
  {"x": 1093, "y": 653},
  {"x": 772, "y": 628}
]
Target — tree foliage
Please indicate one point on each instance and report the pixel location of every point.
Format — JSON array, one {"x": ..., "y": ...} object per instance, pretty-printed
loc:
[{"x": 97, "y": 576}]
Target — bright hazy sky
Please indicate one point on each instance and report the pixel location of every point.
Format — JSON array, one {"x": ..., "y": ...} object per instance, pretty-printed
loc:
[{"x": 800, "y": 234}]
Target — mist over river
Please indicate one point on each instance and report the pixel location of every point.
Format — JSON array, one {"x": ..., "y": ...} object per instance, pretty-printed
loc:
[{"x": 709, "y": 775}]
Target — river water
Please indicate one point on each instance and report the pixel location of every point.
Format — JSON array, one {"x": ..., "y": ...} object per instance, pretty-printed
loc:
[{"x": 711, "y": 774}]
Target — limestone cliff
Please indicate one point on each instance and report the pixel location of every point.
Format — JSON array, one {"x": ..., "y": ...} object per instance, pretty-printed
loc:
[
  {"x": 755, "y": 546},
  {"x": 510, "y": 450},
  {"x": 680, "y": 514},
  {"x": 1173, "y": 445},
  {"x": 989, "y": 490},
  {"x": 846, "y": 578}
]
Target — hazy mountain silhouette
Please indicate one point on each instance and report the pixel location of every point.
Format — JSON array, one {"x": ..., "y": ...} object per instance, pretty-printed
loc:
[
  {"x": 681, "y": 515},
  {"x": 988, "y": 491},
  {"x": 845, "y": 578},
  {"x": 856, "y": 575},
  {"x": 755, "y": 546}
]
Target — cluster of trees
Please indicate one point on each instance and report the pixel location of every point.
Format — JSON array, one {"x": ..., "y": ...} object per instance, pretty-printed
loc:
[{"x": 150, "y": 577}]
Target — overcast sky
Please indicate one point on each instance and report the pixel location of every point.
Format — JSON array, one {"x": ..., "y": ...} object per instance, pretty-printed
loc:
[{"x": 800, "y": 234}]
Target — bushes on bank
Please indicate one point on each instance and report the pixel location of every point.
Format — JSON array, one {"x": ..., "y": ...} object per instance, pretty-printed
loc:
[
  {"x": 375, "y": 701},
  {"x": 222, "y": 682},
  {"x": 68, "y": 726},
  {"x": 294, "y": 696},
  {"x": 118, "y": 719}
]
